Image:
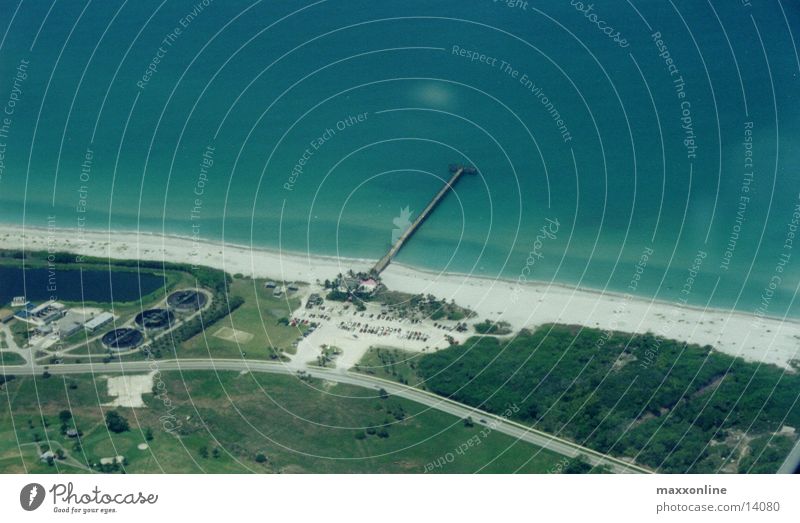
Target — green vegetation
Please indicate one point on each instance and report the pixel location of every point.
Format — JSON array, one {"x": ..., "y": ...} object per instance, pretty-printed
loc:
[
  {"x": 227, "y": 296},
  {"x": 393, "y": 364},
  {"x": 421, "y": 306},
  {"x": 499, "y": 328},
  {"x": 20, "y": 330},
  {"x": 328, "y": 356},
  {"x": 11, "y": 358},
  {"x": 672, "y": 407},
  {"x": 259, "y": 317},
  {"x": 174, "y": 275},
  {"x": 228, "y": 422},
  {"x": 414, "y": 306},
  {"x": 116, "y": 422}
]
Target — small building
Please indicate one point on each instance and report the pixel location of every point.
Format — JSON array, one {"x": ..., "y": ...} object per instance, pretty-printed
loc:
[
  {"x": 69, "y": 324},
  {"x": 19, "y": 301},
  {"x": 98, "y": 321},
  {"x": 270, "y": 285},
  {"x": 43, "y": 330},
  {"x": 293, "y": 288},
  {"x": 369, "y": 285},
  {"x": 72, "y": 433},
  {"x": 277, "y": 293},
  {"x": 43, "y": 314}
]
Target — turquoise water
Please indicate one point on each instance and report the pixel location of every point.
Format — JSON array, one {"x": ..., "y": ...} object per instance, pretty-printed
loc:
[{"x": 259, "y": 82}]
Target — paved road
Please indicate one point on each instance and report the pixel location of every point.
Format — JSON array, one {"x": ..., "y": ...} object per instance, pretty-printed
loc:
[
  {"x": 496, "y": 423},
  {"x": 792, "y": 461}
]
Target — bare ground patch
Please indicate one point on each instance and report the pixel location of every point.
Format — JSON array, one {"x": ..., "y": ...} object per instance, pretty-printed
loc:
[{"x": 234, "y": 335}]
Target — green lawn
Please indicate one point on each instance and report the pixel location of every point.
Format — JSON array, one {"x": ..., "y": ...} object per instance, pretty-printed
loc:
[
  {"x": 392, "y": 364},
  {"x": 11, "y": 358},
  {"x": 258, "y": 322},
  {"x": 300, "y": 426}
]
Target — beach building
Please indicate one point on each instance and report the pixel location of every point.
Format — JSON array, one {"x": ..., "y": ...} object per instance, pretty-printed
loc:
[
  {"x": 369, "y": 285},
  {"x": 98, "y": 321},
  {"x": 270, "y": 285},
  {"x": 293, "y": 288}
]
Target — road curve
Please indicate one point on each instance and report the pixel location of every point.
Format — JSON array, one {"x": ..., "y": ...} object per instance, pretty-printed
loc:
[{"x": 498, "y": 423}]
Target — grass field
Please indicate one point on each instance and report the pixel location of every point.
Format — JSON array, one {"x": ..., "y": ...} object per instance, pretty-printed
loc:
[
  {"x": 392, "y": 364},
  {"x": 11, "y": 358},
  {"x": 257, "y": 322},
  {"x": 224, "y": 421}
]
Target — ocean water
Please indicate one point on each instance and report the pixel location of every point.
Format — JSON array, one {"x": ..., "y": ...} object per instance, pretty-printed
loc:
[{"x": 660, "y": 135}]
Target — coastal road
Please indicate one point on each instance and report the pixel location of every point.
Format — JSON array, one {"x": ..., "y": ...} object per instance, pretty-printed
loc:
[
  {"x": 792, "y": 462},
  {"x": 491, "y": 421}
]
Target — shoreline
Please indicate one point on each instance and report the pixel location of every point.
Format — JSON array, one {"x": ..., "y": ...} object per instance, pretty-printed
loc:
[{"x": 523, "y": 305}]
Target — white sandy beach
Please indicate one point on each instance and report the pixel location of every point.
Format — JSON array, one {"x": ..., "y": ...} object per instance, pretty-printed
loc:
[{"x": 738, "y": 334}]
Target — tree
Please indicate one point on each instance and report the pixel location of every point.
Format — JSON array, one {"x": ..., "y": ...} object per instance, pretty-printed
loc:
[
  {"x": 578, "y": 465},
  {"x": 65, "y": 416},
  {"x": 261, "y": 458},
  {"x": 383, "y": 394},
  {"x": 203, "y": 452},
  {"x": 215, "y": 453},
  {"x": 116, "y": 422},
  {"x": 148, "y": 434}
]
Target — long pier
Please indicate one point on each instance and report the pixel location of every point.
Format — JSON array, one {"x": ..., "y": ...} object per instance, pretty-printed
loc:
[{"x": 457, "y": 171}]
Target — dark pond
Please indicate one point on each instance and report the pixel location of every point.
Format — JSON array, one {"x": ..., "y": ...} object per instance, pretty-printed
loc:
[{"x": 41, "y": 284}]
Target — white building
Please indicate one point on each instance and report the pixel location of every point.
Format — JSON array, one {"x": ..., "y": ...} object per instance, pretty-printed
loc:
[{"x": 98, "y": 321}]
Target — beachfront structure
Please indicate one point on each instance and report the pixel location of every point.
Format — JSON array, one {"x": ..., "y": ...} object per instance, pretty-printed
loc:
[
  {"x": 369, "y": 285},
  {"x": 98, "y": 321},
  {"x": 457, "y": 171}
]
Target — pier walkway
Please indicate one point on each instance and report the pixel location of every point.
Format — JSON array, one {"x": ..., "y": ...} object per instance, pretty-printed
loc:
[{"x": 457, "y": 171}]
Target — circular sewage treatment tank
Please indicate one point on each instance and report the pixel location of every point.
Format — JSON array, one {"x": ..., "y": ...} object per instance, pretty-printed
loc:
[
  {"x": 187, "y": 300},
  {"x": 122, "y": 339},
  {"x": 155, "y": 319}
]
